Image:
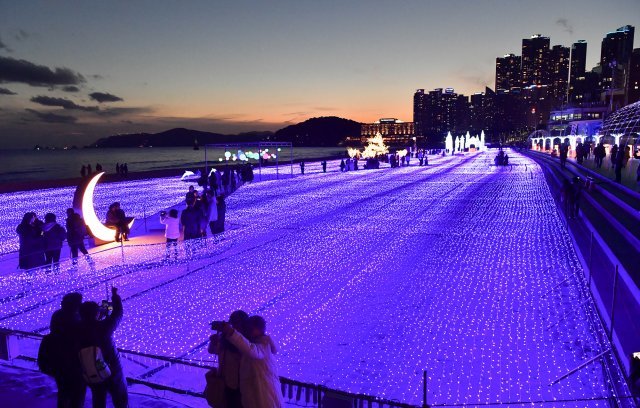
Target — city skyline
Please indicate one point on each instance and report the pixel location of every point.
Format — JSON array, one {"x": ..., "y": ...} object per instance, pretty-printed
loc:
[{"x": 103, "y": 69}]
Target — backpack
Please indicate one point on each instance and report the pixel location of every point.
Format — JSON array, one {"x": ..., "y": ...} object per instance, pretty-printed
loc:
[
  {"x": 49, "y": 355},
  {"x": 94, "y": 369}
]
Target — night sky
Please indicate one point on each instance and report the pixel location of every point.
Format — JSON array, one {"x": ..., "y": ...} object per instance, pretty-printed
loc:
[{"x": 71, "y": 72}]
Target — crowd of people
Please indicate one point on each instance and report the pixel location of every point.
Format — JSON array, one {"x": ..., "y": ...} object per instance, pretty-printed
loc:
[
  {"x": 80, "y": 352},
  {"x": 203, "y": 212},
  {"x": 87, "y": 170},
  {"x": 41, "y": 241}
]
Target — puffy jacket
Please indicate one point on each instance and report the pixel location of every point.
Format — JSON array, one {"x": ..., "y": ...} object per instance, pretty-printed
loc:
[{"x": 54, "y": 234}]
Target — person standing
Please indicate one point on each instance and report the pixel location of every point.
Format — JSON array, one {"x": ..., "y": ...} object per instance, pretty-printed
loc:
[
  {"x": 76, "y": 231},
  {"x": 98, "y": 167},
  {"x": 171, "y": 231},
  {"x": 212, "y": 215},
  {"x": 619, "y": 164},
  {"x": 94, "y": 333},
  {"x": 221, "y": 208},
  {"x": 342, "y": 166},
  {"x": 259, "y": 381},
  {"x": 302, "y": 167},
  {"x": 83, "y": 171},
  {"x": 191, "y": 219},
  {"x": 54, "y": 235},
  {"x": 57, "y": 354},
  {"x": 229, "y": 359},
  {"x": 31, "y": 252},
  {"x": 89, "y": 171},
  {"x": 324, "y": 166}
]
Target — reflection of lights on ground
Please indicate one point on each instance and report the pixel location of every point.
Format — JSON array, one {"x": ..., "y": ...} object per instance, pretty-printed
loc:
[{"x": 366, "y": 278}]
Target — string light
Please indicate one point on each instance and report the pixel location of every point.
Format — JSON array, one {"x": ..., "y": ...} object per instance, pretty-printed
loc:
[{"x": 368, "y": 277}]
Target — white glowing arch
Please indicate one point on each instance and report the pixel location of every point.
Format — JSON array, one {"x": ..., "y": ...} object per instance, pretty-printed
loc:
[{"x": 97, "y": 228}]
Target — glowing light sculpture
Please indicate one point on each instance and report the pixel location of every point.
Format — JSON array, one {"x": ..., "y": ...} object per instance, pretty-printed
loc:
[{"x": 83, "y": 204}]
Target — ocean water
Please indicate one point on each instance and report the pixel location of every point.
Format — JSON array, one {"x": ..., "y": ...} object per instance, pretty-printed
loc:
[{"x": 25, "y": 165}]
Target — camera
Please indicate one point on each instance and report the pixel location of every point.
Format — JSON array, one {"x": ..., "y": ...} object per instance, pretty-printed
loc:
[
  {"x": 105, "y": 309},
  {"x": 163, "y": 213},
  {"x": 217, "y": 325}
]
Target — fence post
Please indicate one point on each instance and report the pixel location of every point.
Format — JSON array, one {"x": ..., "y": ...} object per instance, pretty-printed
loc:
[
  {"x": 590, "y": 259},
  {"x": 424, "y": 389},
  {"x": 613, "y": 304},
  {"x": 122, "y": 249}
]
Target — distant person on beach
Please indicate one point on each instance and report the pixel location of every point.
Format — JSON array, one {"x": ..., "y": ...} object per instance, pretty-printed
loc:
[
  {"x": 54, "y": 235},
  {"x": 324, "y": 166},
  {"x": 171, "y": 231},
  {"x": 124, "y": 169},
  {"x": 259, "y": 381},
  {"x": 213, "y": 182},
  {"x": 599, "y": 154},
  {"x": 116, "y": 218},
  {"x": 31, "y": 252},
  {"x": 229, "y": 358},
  {"x": 117, "y": 168},
  {"x": 57, "y": 355},
  {"x": 211, "y": 215},
  {"x": 83, "y": 171},
  {"x": 191, "y": 219},
  {"x": 95, "y": 333},
  {"x": 89, "y": 171},
  {"x": 342, "y": 166},
  {"x": 76, "y": 231},
  {"x": 221, "y": 207},
  {"x": 98, "y": 168},
  {"x": 191, "y": 193},
  {"x": 301, "y": 167}
]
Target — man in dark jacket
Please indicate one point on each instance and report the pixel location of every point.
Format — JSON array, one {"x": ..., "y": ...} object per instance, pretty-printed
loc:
[
  {"x": 191, "y": 220},
  {"x": 64, "y": 326},
  {"x": 96, "y": 332},
  {"x": 31, "y": 253},
  {"x": 76, "y": 232},
  {"x": 54, "y": 235}
]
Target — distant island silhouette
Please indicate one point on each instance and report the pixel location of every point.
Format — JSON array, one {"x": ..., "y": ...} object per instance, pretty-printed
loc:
[{"x": 324, "y": 131}]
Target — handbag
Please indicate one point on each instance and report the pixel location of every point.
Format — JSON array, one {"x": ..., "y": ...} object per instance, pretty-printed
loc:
[{"x": 214, "y": 389}]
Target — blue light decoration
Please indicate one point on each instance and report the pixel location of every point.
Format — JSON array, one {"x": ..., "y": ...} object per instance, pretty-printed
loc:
[{"x": 368, "y": 278}]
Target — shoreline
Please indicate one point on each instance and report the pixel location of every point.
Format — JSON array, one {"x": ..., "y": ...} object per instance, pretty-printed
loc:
[{"x": 30, "y": 185}]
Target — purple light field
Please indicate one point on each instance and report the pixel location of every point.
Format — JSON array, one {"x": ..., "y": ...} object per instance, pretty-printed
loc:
[{"x": 365, "y": 279}]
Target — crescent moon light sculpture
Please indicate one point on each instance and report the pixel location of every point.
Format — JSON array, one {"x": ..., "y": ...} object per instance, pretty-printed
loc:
[{"x": 97, "y": 228}]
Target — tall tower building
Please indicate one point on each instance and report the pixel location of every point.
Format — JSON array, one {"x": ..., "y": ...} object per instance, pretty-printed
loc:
[
  {"x": 578, "y": 60},
  {"x": 559, "y": 73},
  {"x": 633, "y": 89},
  {"x": 617, "y": 47},
  {"x": 535, "y": 57},
  {"x": 420, "y": 112},
  {"x": 508, "y": 72}
]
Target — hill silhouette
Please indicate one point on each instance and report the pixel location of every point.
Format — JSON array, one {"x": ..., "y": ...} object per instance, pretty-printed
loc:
[{"x": 323, "y": 131}]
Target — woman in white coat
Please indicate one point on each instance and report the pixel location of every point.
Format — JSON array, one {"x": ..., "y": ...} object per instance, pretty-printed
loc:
[{"x": 259, "y": 382}]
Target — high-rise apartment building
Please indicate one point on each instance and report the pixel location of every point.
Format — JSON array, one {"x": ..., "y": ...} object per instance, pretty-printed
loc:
[
  {"x": 559, "y": 73},
  {"x": 615, "y": 54},
  {"x": 535, "y": 60},
  {"x": 439, "y": 111},
  {"x": 508, "y": 72},
  {"x": 633, "y": 87},
  {"x": 578, "y": 60}
]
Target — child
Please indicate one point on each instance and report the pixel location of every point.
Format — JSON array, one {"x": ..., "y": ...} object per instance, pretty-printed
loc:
[{"x": 172, "y": 231}]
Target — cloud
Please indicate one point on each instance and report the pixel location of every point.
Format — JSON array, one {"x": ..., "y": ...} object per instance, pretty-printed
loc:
[
  {"x": 96, "y": 76},
  {"x": 62, "y": 102},
  {"x": 49, "y": 117},
  {"x": 22, "y": 35},
  {"x": 70, "y": 88},
  {"x": 5, "y": 91},
  {"x": 102, "y": 97},
  {"x": 111, "y": 112},
  {"x": 565, "y": 24},
  {"x": 4, "y": 46},
  {"x": 14, "y": 70}
]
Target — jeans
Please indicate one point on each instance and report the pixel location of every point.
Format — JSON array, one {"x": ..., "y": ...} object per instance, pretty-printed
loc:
[
  {"x": 75, "y": 247},
  {"x": 171, "y": 242}
]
